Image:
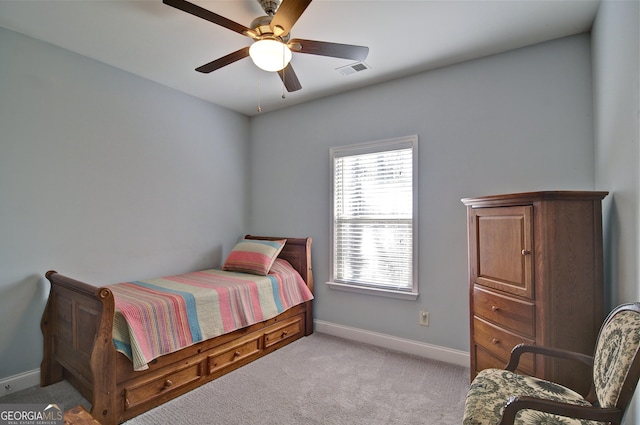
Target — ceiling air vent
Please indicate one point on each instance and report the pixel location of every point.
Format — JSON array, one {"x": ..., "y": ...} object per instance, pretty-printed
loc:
[{"x": 353, "y": 68}]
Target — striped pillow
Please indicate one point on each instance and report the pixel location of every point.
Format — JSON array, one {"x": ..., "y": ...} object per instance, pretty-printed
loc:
[{"x": 253, "y": 256}]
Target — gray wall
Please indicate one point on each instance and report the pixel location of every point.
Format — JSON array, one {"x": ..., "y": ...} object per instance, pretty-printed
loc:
[
  {"x": 519, "y": 121},
  {"x": 616, "y": 71},
  {"x": 106, "y": 177},
  {"x": 616, "y": 87}
]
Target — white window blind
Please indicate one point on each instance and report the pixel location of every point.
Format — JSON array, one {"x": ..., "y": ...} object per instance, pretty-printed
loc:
[{"x": 373, "y": 215}]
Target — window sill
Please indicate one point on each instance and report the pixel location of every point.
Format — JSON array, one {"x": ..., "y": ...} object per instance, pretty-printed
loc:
[{"x": 389, "y": 293}]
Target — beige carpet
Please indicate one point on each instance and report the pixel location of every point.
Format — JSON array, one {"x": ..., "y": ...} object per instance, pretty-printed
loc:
[{"x": 319, "y": 379}]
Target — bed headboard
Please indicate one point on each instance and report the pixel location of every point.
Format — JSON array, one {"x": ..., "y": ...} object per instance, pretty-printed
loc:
[{"x": 296, "y": 251}]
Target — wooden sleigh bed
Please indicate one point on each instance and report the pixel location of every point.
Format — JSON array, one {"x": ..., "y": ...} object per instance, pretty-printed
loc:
[{"x": 77, "y": 326}]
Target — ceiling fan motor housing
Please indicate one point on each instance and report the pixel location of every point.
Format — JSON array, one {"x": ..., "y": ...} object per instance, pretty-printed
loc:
[{"x": 261, "y": 26}]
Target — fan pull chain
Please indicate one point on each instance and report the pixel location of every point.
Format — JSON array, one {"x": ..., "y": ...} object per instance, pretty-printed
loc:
[
  {"x": 259, "y": 107},
  {"x": 284, "y": 74}
]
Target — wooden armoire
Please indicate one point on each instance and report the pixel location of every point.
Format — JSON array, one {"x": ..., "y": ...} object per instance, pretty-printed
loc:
[{"x": 535, "y": 275}]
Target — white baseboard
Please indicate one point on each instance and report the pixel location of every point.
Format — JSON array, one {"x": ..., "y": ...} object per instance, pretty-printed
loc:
[
  {"x": 408, "y": 346},
  {"x": 22, "y": 381}
]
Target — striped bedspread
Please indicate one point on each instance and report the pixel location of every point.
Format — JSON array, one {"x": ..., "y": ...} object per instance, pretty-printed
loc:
[{"x": 159, "y": 316}]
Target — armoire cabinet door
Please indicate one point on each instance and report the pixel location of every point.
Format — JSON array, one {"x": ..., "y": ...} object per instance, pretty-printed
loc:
[{"x": 503, "y": 244}]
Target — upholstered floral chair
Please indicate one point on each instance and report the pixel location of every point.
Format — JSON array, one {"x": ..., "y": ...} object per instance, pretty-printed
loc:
[{"x": 500, "y": 397}]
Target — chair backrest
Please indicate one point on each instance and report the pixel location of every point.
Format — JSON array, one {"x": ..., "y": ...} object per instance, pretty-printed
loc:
[{"x": 616, "y": 362}]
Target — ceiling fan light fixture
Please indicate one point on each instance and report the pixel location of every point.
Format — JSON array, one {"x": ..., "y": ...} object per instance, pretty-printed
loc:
[{"x": 270, "y": 55}]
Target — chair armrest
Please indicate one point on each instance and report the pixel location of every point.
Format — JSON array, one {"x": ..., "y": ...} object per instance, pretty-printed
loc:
[
  {"x": 520, "y": 349},
  {"x": 517, "y": 403}
]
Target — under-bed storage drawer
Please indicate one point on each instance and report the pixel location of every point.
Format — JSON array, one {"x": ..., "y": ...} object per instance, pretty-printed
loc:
[
  {"x": 286, "y": 330},
  {"x": 230, "y": 354},
  {"x": 161, "y": 385}
]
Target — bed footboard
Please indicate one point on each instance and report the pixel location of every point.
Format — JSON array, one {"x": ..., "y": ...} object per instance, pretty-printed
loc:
[{"x": 77, "y": 327}]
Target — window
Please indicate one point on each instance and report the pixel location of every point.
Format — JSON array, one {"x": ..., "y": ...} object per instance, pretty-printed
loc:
[{"x": 373, "y": 209}]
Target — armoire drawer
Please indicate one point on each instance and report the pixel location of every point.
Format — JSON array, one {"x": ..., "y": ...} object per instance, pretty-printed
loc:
[
  {"x": 485, "y": 360},
  {"x": 504, "y": 311},
  {"x": 499, "y": 342}
]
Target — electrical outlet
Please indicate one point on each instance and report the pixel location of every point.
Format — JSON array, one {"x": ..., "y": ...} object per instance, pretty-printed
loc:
[{"x": 424, "y": 318}]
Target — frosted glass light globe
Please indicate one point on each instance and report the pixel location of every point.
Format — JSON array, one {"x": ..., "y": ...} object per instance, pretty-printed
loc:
[{"x": 270, "y": 55}]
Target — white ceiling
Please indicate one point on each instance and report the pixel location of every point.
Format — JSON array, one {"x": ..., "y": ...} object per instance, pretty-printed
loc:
[{"x": 165, "y": 45}]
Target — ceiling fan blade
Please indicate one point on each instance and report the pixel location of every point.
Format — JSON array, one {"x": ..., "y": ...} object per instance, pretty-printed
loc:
[
  {"x": 287, "y": 15},
  {"x": 289, "y": 78},
  {"x": 224, "y": 61},
  {"x": 324, "y": 48},
  {"x": 208, "y": 15}
]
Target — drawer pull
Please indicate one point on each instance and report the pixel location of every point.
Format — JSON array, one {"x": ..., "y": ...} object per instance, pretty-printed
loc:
[
  {"x": 168, "y": 383},
  {"x": 284, "y": 333},
  {"x": 495, "y": 341},
  {"x": 495, "y": 308},
  {"x": 236, "y": 354},
  {"x": 526, "y": 252}
]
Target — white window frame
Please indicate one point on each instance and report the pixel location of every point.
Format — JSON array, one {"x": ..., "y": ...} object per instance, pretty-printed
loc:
[{"x": 364, "y": 148}]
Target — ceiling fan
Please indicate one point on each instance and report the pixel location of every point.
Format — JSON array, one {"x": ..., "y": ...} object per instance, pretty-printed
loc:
[{"x": 271, "y": 35}]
